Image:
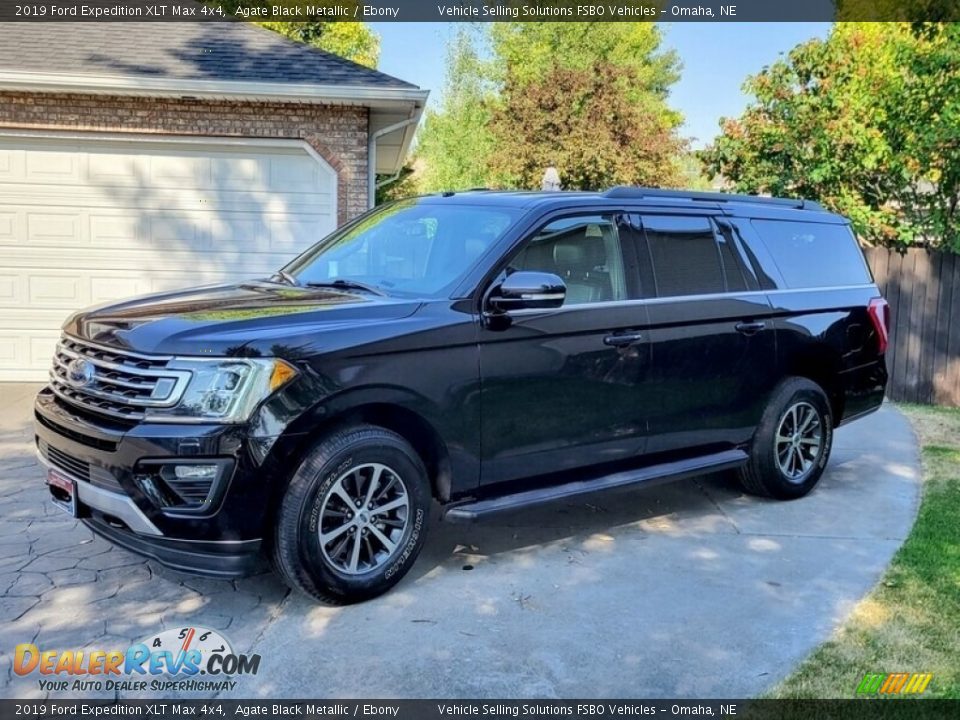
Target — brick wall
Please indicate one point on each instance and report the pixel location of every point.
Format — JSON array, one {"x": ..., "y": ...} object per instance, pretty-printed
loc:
[{"x": 337, "y": 133}]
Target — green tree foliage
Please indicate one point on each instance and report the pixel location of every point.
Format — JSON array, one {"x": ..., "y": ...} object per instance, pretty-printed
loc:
[
  {"x": 866, "y": 121},
  {"x": 583, "y": 122},
  {"x": 888, "y": 10},
  {"x": 481, "y": 136},
  {"x": 455, "y": 140},
  {"x": 404, "y": 185},
  {"x": 352, "y": 40},
  {"x": 526, "y": 51}
]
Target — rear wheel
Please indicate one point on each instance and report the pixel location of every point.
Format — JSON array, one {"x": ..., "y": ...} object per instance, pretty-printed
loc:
[
  {"x": 792, "y": 443},
  {"x": 353, "y": 519}
]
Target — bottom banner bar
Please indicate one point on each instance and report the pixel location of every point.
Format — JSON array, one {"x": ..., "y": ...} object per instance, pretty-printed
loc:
[{"x": 908, "y": 709}]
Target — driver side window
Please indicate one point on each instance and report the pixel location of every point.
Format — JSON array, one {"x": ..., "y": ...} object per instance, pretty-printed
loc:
[{"x": 584, "y": 250}]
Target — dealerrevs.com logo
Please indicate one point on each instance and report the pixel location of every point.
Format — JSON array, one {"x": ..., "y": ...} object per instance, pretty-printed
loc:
[{"x": 179, "y": 656}]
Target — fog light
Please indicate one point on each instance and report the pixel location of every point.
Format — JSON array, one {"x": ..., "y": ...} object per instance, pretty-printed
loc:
[
  {"x": 194, "y": 486},
  {"x": 195, "y": 472}
]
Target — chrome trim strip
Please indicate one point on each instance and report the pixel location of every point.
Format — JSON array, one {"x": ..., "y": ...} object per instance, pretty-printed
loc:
[
  {"x": 106, "y": 364},
  {"x": 61, "y": 365},
  {"x": 170, "y": 401},
  {"x": 116, "y": 350},
  {"x": 689, "y": 298},
  {"x": 94, "y": 408},
  {"x": 111, "y": 503},
  {"x": 180, "y": 378}
]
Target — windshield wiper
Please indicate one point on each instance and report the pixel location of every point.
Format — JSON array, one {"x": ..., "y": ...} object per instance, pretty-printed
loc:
[{"x": 348, "y": 285}]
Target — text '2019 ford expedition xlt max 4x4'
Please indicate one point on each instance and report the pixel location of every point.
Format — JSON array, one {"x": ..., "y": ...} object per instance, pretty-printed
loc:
[{"x": 489, "y": 350}]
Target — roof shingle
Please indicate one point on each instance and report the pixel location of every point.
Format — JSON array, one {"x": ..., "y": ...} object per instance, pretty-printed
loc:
[{"x": 217, "y": 51}]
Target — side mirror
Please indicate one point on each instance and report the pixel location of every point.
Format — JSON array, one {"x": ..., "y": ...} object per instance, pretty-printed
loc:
[{"x": 525, "y": 290}]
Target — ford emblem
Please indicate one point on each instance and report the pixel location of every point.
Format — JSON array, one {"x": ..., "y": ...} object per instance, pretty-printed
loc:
[{"x": 81, "y": 373}]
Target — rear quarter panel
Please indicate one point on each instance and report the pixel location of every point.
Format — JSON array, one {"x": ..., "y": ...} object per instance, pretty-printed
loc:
[{"x": 827, "y": 335}]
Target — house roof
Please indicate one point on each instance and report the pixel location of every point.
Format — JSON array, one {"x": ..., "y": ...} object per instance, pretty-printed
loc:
[
  {"x": 213, "y": 59},
  {"x": 217, "y": 51}
]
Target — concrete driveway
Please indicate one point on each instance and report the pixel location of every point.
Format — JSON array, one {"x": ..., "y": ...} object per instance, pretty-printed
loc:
[{"x": 690, "y": 589}]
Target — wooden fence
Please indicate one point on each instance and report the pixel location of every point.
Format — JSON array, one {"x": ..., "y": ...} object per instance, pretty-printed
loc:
[{"x": 923, "y": 289}]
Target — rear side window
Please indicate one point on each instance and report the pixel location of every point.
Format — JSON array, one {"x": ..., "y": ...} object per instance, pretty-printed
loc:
[
  {"x": 812, "y": 255},
  {"x": 684, "y": 254}
]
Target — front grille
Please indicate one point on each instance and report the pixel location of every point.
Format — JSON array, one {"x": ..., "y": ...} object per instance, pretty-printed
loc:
[{"x": 114, "y": 382}]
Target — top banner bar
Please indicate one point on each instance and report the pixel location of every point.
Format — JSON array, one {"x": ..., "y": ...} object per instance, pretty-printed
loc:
[{"x": 478, "y": 10}]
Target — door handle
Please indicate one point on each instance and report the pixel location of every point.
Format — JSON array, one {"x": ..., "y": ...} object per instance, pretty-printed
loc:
[
  {"x": 623, "y": 339},
  {"x": 750, "y": 328}
]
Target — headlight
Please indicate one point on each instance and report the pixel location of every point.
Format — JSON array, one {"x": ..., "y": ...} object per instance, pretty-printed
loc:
[{"x": 224, "y": 390}]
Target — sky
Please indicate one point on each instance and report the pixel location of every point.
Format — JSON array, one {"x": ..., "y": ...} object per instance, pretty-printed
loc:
[{"x": 716, "y": 58}]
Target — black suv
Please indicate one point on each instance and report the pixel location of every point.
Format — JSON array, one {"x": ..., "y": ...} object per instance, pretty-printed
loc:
[{"x": 489, "y": 350}]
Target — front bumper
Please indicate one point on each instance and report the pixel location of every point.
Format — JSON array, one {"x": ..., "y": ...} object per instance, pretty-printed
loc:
[
  {"x": 224, "y": 559},
  {"x": 103, "y": 458}
]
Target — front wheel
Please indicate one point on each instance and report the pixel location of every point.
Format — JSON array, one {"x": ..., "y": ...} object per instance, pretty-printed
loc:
[
  {"x": 792, "y": 443},
  {"x": 354, "y": 516}
]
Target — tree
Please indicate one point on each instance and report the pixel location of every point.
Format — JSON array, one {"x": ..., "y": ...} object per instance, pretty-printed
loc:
[
  {"x": 582, "y": 121},
  {"x": 866, "y": 121},
  {"x": 455, "y": 142},
  {"x": 351, "y": 40},
  {"x": 526, "y": 51},
  {"x": 462, "y": 146},
  {"x": 354, "y": 41},
  {"x": 403, "y": 185}
]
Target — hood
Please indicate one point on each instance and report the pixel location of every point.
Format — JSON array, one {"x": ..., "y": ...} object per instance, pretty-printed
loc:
[{"x": 243, "y": 320}]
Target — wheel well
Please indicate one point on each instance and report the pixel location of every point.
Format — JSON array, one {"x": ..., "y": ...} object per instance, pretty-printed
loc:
[
  {"x": 823, "y": 368},
  {"x": 410, "y": 426}
]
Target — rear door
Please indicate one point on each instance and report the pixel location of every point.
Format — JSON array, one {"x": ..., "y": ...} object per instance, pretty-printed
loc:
[{"x": 711, "y": 332}]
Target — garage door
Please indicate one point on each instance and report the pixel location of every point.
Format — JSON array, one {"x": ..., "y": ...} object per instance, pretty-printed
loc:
[{"x": 85, "y": 220}]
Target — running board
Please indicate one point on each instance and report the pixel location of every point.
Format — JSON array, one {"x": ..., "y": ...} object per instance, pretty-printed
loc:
[{"x": 471, "y": 511}]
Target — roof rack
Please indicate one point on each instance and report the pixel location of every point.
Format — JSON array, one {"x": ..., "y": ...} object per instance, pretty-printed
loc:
[
  {"x": 636, "y": 193},
  {"x": 451, "y": 193}
]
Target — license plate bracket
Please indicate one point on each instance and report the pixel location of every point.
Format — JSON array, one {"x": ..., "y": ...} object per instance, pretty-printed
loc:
[{"x": 63, "y": 491}]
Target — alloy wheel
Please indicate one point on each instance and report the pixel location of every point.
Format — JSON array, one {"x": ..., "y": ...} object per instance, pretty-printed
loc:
[
  {"x": 799, "y": 440},
  {"x": 363, "y": 518}
]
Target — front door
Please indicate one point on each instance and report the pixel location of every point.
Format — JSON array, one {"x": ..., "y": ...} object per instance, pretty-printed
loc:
[{"x": 562, "y": 388}]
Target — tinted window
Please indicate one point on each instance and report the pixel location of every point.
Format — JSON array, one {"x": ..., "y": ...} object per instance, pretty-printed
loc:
[
  {"x": 584, "y": 251},
  {"x": 405, "y": 248},
  {"x": 685, "y": 256},
  {"x": 813, "y": 254},
  {"x": 734, "y": 271}
]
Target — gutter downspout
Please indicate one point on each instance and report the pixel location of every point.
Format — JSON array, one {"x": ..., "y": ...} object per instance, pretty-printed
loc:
[
  {"x": 372, "y": 155},
  {"x": 390, "y": 180}
]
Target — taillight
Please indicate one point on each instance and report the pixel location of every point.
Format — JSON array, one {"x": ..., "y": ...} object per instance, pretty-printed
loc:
[{"x": 879, "y": 312}]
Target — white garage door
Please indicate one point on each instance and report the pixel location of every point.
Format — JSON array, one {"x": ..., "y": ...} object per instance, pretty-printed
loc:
[{"x": 84, "y": 220}]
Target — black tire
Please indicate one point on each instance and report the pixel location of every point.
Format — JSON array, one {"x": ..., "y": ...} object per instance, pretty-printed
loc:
[
  {"x": 765, "y": 474},
  {"x": 336, "y": 465}
]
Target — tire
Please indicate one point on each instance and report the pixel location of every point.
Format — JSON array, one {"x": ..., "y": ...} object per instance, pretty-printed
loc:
[
  {"x": 786, "y": 464},
  {"x": 384, "y": 541}
]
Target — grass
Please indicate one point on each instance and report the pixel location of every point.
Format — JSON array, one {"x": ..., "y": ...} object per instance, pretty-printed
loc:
[{"x": 911, "y": 621}]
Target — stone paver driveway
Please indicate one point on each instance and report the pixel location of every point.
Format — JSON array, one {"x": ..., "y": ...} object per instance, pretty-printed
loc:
[{"x": 688, "y": 589}]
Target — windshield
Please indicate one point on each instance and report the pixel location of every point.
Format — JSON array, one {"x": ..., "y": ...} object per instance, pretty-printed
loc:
[{"x": 406, "y": 248}]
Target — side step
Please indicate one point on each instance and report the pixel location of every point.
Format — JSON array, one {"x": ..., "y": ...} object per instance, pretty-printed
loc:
[{"x": 471, "y": 511}]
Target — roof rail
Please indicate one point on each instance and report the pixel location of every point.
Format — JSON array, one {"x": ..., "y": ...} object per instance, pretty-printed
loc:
[
  {"x": 636, "y": 193},
  {"x": 451, "y": 193}
]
